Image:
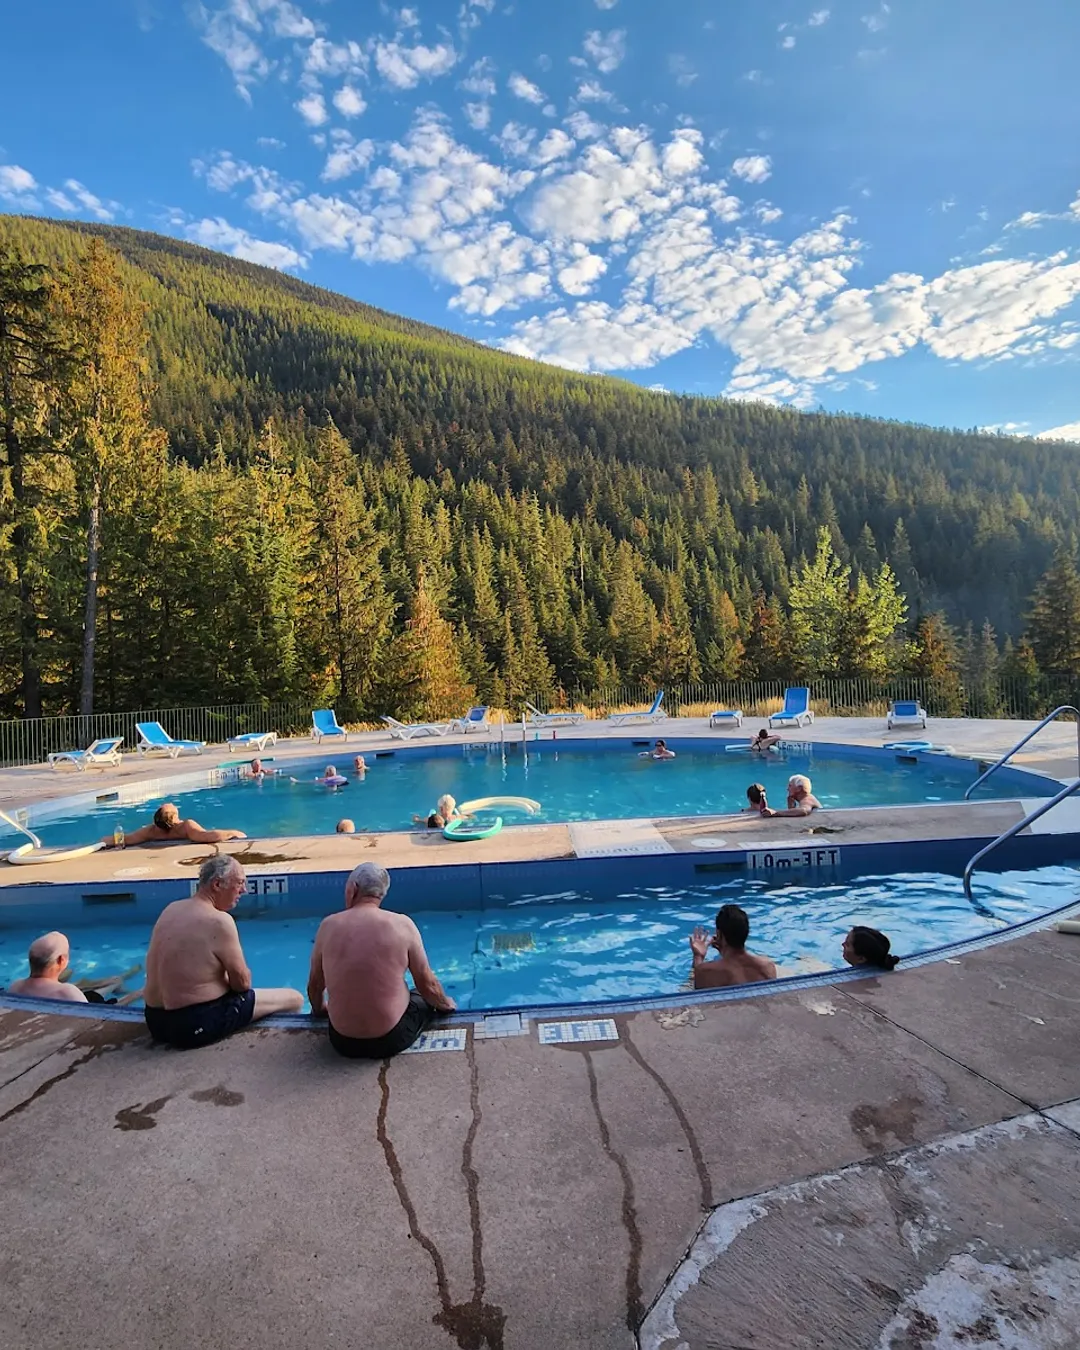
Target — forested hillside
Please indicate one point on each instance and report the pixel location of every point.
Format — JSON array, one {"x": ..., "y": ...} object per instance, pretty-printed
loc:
[{"x": 301, "y": 495}]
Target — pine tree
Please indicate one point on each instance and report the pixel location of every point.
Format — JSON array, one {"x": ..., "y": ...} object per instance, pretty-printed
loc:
[
  {"x": 818, "y": 604},
  {"x": 424, "y": 676},
  {"x": 768, "y": 649},
  {"x": 933, "y": 656},
  {"x": 1054, "y": 620}
]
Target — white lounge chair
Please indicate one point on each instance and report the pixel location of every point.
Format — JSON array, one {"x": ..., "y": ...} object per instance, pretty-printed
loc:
[
  {"x": 324, "y": 723},
  {"x": 155, "y": 740},
  {"x": 253, "y": 740},
  {"x": 906, "y": 713},
  {"x": 101, "y": 754},
  {"x": 405, "y": 731},
  {"x": 476, "y": 719},
  {"x": 553, "y": 719},
  {"x": 651, "y": 714},
  {"x": 725, "y": 717},
  {"x": 796, "y": 710}
]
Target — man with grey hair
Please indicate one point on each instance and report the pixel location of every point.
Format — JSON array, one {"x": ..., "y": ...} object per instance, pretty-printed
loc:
[
  {"x": 359, "y": 964},
  {"x": 198, "y": 985},
  {"x": 49, "y": 956},
  {"x": 800, "y": 798}
]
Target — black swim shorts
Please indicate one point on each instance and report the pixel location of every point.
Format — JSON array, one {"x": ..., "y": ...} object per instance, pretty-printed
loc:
[
  {"x": 413, "y": 1020},
  {"x": 201, "y": 1023}
]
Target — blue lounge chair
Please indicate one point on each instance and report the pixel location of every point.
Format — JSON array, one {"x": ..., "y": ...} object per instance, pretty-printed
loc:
[
  {"x": 155, "y": 740},
  {"x": 324, "y": 723},
  {"x": 101, "y": 754},
  {"x": 476, "y": 719},
  {"x": 906, "y": 713},
  {"x": 723, "y": 717},
  {"x": 405, "y": 731},
  {"x": 253, "y": 740},
  {"x": 796, "y": 710},
  {"x": 652, "y": 714},
  {"x": 553, "y": 719}
]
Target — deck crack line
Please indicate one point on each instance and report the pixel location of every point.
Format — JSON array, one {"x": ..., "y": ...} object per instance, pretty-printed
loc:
[
  {"x": 634, "y": 1300},
  {"x": 474, "y": 1325},
  {"x": 1031, "y": 1106},
  {"x": 700, "y": 1166},
  {"x": 50, "y": 1083}
]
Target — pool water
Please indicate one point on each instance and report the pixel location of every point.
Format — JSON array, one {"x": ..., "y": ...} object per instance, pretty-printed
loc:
[
  {"x": 570, "y": 784},
  {"x": 569, "y": 948}
]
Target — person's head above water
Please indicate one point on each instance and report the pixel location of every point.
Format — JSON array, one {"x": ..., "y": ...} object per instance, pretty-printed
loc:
[
  {"x": 166, "y": 816},
  {"x": 446, "y": 806},
  {"x": 798, "y": 785},
  {"x": 359, "y": 764},
  {"x": 435, "y": 821},
  {"x": 755, "y": 794},
  {"x": 868, "y": 947},
  {"x": 763, "y": 734},
  {"x": 331, "y": 771},
  {"x": 346, "y": 827},
  {"x": 367, "y": 881},
  {"x": 48, "y": 956},
  {"x": 732, "y": 927}
]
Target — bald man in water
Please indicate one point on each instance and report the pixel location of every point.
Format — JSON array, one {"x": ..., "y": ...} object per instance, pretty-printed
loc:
[
  {"x": 359, "y": 961},
  {"x": 49, "y": 956}
]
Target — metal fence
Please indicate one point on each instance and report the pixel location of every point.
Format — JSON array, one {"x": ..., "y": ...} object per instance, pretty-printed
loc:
[{"x": 31, "y": 740}]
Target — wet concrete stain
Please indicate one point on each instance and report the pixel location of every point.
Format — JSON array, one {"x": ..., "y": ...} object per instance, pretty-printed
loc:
[
  {"x": 704, "y": 1180},
  {"x": 100, "y": 1040},
  {"x": 218, "y": 1096},
  {"x": 896, "y": 1119},
  {"x": 474, "y": 1325},
  {"x": 140, "y": 1116},
  {"x": 921, "y": 1330},
  {"x": 635, "y": 1308}
]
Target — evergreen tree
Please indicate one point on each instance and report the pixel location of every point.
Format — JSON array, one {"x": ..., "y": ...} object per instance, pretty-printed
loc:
[
  {"x": 425, "y": 677},
  {"x": 1054, "y": 620},
  {"x": 933, "y": 656},
  {"x": 818, "y": 601}
]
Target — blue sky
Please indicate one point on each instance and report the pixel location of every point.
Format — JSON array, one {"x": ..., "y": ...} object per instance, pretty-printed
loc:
[{"x": 847, "y": 203}]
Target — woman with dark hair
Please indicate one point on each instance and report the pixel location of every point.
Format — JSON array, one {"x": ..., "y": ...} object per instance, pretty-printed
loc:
[{"x": 868, "y": 947}]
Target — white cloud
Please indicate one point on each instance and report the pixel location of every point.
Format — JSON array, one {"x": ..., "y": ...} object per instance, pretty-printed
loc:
[
  {"x": 89, "y": 202},
  {"x": 878, "y": 20},
  {"x": 270, "y": 143},
  {"x": 404, "y": 67},
  {"x": 520, "y": 87},
  {"x": 326, "y": 60},
  {"x": 349, "y": 101},
  {"x": 478, "y": 115},
  {"x": 682, "y": 69},
  {"x": 606, "y": 4},
  {"x": 592, "y": 91},
  {"x": 515, "y": 140},
  {"x": 16, "y": 182},
  {"x": 312, "y": 108},
  {"x": 555, "y": 145},
  {"x": 578, "y": 276},
  {"x": 1069, "y": 432},
  {"x": 631, "y": 336},
  {"x": 234, "y": 32},
  {"x": 767, "y": 213},
  {"x": 818, "y": 17},
  {"x": 347, "y": 157},
  {"x": 606, "y": 50},
  {"x": 408, "y": 18},
  {"x": 753, "y": 168},
  {"x": 583, "y": 126},
  {"x": 219, "y": 234},
  {"x": 481, "y": 79},
  {"x": 787, "y": 42}
]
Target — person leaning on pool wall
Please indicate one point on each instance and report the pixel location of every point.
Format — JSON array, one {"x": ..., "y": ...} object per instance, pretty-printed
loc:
[{"x": 868, "y": 947}]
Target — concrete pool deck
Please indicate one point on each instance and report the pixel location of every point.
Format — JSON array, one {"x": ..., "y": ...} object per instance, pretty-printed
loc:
[{"x": 891, "y": 1162}]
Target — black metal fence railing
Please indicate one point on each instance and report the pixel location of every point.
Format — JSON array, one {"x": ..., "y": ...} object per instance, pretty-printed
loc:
[{"x": 31, "y": 740}]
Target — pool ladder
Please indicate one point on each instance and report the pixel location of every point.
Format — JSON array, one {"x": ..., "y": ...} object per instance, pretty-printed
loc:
[{"x": 1032, "y": 816}]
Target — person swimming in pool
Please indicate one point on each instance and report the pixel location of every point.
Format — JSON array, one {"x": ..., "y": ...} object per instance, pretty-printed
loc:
[
  {"x": 258, "y": 770},
  {"x": 198, "y": 985},
  {"x": 49, "y": 957},
  {"x": 659, "y": 751},
  {"x": 800, "y": 799},
  {"x": 736, "y": 964},
  {"x": 764, "y": 740},
  {"x": 868, "y": 947},
  {"x": 756, "y": 799},
  {"x": 345, "y": 826},
  {"x": 168, "y": 828},
  {"x": 331, "y": 778},
  {"x": 359, "y": 766}
]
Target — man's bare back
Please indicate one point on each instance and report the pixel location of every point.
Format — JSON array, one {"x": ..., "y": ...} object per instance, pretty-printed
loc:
[
  {"x": 194, "y": 956},
  {"x": 365, "y": 952},
  {"x": 734, "y": 968}
]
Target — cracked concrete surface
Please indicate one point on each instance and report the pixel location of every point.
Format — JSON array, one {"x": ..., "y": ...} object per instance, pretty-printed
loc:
[{"x": 901, "y": 1173}]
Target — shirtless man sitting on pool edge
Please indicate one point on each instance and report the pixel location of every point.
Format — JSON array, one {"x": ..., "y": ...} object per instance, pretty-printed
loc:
[
  {"x": 168, "y": 828},
  {"x": 198, "y": 985},
  {"x": 359, "y": 962}
]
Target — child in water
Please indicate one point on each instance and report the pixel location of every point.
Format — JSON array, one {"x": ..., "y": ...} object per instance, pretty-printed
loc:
[{"x": 755, "y": 796}]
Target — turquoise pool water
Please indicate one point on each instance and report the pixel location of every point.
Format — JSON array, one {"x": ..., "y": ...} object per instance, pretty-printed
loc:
[
  {"x": 630, "y": 945},
  {"x": 570, "y": 784}
]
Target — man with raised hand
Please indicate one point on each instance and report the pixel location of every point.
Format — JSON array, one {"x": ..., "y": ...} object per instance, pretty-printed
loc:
[
  {"x": 358, "y": 965},
  {"x": 198, "y": 985},
  {"x": 736, "y": 964},
  {"x": 49, "y": 956}
]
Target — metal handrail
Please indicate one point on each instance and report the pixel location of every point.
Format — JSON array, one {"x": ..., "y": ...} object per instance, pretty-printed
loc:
[
  {"x": 1048, "y": 805},
  {"x": 1065, "y": 708}
]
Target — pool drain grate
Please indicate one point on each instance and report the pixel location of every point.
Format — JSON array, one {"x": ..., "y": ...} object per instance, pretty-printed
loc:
[{"x": 512, "y": 942}]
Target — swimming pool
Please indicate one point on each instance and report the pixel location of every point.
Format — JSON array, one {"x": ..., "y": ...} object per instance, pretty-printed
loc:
[
  {"x": 569, "y": 947},
  {"x": 572, "y": 780}
]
